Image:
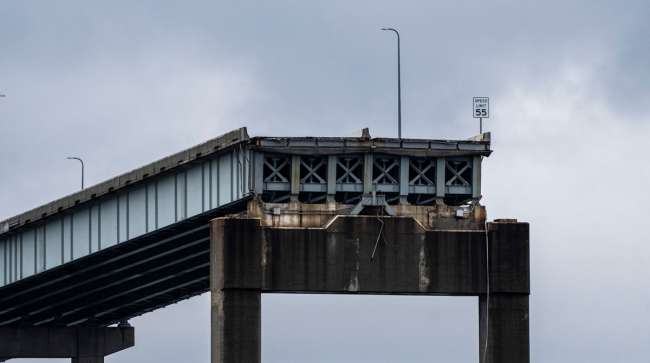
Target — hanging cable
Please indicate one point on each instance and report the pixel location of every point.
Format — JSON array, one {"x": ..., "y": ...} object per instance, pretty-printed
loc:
[
  {"x": 381, "y": 228},
  {"x": 378, "y": 237}
]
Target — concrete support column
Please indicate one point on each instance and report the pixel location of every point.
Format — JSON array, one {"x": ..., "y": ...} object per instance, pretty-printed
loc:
[
  {"x": 235, "y": 283},
  {"x": 236, "y": 326},
  {"x": 505, "y": 325},
  {"x": 503, "y": 317}
]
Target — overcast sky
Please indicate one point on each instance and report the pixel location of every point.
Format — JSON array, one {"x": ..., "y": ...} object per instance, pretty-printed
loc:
[{"x": 122, "y": 83}]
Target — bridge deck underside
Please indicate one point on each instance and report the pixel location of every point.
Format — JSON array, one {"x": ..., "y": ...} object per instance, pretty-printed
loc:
[{"x": 117, "y": 283}]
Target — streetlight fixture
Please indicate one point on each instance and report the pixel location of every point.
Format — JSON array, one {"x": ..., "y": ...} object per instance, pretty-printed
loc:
[
  {"x": 82, "y": 168},
  {"x": 399, "y": 85}
]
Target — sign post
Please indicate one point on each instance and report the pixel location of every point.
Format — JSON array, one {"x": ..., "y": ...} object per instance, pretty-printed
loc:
[{"x": 481, "y": 109}]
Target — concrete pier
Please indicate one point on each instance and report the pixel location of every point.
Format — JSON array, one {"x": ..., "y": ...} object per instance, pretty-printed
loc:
[
  {"x": 248, "y": 259},
  {"x": 82, "y": 345}
]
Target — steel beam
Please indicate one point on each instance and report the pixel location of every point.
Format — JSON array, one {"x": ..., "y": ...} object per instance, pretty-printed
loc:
[
  {"x": 295, "y": 177},
  {"x": 441, "y": 167},
  {"x": 331, "y": 178},
  {"x": 476, "y": 177},
  {"x": 368, "y": 163},
  {"x": 404, "y": 179},
  {"x": 109, "y": 268},
  {"x": 258, "y": 173}
]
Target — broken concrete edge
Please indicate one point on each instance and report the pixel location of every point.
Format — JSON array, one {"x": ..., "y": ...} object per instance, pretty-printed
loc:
[
  {"x": 305, "y": 215},
  {"x": 485, "y": 137}
]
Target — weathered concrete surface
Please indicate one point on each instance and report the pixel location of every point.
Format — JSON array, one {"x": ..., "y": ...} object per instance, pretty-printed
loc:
[
  {"x": 508, "y": 328},
  {"x": 236, "y": 313},
  {"x": 304, "y": 215},
  {"x": 80, "y": 344},
  {"x": 238, "y": 326},
  {"x": 506, "y": 322},
  {"x": 249, "y": 259}
]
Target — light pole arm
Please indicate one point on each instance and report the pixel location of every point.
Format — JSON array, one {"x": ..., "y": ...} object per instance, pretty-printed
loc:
[
  {"x": 82, "y": 168},
  {"x": 399, "y": 83}
]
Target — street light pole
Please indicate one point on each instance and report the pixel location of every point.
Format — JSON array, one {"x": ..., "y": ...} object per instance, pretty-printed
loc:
[
  {"x": 82, "y": 168},
  {"x": 399, "y": 84}
]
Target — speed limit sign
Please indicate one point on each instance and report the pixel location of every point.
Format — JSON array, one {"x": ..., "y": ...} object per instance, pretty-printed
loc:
[{"x": 481, "y": 107}]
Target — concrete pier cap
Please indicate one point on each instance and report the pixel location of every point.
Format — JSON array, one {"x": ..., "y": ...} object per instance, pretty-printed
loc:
[
  {"x": 80, "y": 344},
  {"x": 323, "y": 248}
]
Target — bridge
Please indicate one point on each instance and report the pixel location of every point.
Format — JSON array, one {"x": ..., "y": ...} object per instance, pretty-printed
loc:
[{"x": 240, "y": 216}]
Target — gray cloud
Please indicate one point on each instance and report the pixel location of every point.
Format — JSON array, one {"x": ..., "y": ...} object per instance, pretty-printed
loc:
[{"x": 122, "y": 84}]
